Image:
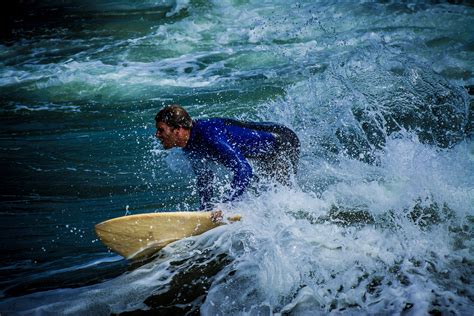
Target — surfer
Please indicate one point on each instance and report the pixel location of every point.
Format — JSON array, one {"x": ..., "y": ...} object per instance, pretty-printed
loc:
[{"x": 275, "y": 149}]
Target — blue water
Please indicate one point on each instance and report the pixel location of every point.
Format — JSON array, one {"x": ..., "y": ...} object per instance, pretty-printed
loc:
[{"x": 380, "y": 93}]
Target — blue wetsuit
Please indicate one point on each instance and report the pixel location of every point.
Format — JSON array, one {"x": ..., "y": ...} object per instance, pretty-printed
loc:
[{"x": 230, "y": 143}]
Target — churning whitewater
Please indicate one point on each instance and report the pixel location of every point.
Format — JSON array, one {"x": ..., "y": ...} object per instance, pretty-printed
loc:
[{"x": 380, "y": 217}]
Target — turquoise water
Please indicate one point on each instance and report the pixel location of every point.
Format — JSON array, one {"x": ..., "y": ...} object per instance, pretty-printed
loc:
[{"x": 379, "y": 92}]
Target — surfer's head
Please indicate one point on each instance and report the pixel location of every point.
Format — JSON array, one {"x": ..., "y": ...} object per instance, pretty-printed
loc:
[
  {"x": 174, "y": 116},
  {"x": 173, "y": 126}
]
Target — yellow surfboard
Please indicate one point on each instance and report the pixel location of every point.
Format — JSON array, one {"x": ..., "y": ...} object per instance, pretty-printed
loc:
[{"x": 138, "y": 236}]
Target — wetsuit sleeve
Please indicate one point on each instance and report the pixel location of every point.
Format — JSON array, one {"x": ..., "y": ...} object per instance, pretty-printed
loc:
[
  {"x": 233, "y": 159},
  {"x": 204, "y": 178}
]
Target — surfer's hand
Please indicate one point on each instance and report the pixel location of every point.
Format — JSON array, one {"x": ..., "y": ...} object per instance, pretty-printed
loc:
[{"x": 216, "y": 216}]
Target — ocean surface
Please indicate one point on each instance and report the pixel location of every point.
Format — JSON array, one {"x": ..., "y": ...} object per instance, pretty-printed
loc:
[{"x": 379, "y": 221}]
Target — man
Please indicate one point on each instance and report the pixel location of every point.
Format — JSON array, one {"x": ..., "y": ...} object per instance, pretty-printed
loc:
[{"x": 275, "y": 148}]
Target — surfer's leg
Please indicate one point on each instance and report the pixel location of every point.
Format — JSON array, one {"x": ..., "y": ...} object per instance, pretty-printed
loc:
[
  {"x": 283, "y": 163},
  {"x": 288, "y": 147}
]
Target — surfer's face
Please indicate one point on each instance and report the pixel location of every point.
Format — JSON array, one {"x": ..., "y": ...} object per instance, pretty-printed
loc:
[{"x": 167, "y": 135}]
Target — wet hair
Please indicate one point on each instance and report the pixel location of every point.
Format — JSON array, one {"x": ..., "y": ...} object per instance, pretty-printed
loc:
[{"x": 174, "y": 116}]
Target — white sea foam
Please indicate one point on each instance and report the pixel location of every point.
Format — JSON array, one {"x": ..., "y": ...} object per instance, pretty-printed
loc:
[
  {"x": 178, "y": 6},
  {"x": 47, "y": 107}
]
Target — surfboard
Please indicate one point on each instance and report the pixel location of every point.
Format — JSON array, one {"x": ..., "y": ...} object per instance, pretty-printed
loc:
[{"x": 141, "y": 235}]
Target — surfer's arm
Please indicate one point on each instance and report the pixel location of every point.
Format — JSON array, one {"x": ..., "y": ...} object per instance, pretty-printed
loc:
[
  {"x": 234, "y": 160},
  {"x": 204, "y": 177}
]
